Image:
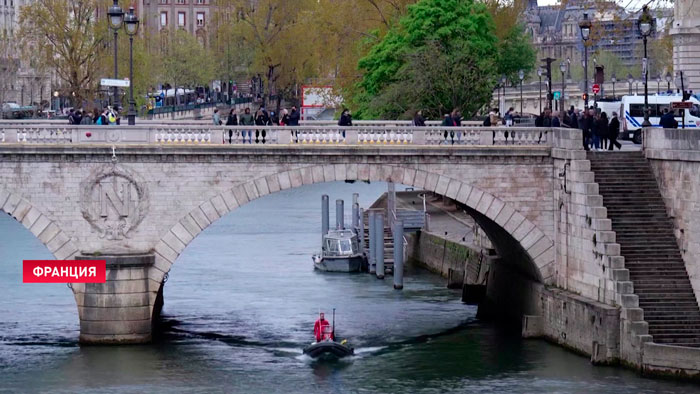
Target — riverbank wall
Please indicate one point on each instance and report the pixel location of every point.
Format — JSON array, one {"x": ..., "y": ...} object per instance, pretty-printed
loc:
[{"x": 584, "y": 326}]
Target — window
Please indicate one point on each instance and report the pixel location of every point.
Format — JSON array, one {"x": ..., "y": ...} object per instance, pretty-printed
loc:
[
  {"x": 200, "y": 19},
  {"x": 163, "y": 1},
  {"x": 637, "y": 110},
  {"x": 163, "y": 19},
  {"x": 695, "y": 111},
  {"x": 181, "y": 1},
  {"x": 201, "y": 2},
  {"x": 181, "y": 19}
]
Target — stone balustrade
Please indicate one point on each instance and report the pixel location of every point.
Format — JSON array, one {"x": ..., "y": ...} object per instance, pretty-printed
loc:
[{"x": 274, "y": 135}]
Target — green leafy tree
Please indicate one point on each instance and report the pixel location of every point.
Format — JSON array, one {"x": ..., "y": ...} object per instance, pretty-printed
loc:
[
  {"x": 185, "y": 62},
  {"x": 63, "y": 37},
  {"x": 421, "y": 83},
  {"x": 445, "y": 25},
  {"x": 515, "y": 52}
]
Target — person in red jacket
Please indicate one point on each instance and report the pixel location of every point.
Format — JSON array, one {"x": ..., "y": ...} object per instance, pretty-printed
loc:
[{"x": 322, "y": 329}]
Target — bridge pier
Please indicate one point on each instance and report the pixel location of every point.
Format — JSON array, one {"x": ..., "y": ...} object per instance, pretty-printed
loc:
[{"x": 121, "y": 310}]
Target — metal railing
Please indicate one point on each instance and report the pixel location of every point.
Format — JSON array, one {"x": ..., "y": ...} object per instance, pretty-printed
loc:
[{"x": 377, "y": 136}]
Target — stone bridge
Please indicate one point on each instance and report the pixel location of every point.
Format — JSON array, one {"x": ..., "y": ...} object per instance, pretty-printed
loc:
[{"x": 137, "y": 196}]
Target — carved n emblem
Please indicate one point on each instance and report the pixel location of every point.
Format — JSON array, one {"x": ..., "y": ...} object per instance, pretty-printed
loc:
[{"x": 113, "y": 201}]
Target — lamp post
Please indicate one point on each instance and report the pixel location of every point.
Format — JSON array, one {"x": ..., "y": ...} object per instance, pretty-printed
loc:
[
  {"x": 503, "y": 84},
  {"x": 539, "y": 74},
  {"x": 669, "y": 78},
  {"x": 131, "y": 23},
  {"x": 630, "y": 80},
  {"x": 613, "y": 79},
  {"x": 116, "y": 17},
  {"x": 521, "y": 75},
  {"x": 644, "y": 24},
  {"x": 585, "y": 26},
  {"x": 568, "y": 68},
  {"x": 562, "y": 68},
  {"x": 658, "y": 84}
]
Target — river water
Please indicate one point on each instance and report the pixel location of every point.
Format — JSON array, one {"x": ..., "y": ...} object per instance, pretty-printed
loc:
[{"x": 240, "y": 305}]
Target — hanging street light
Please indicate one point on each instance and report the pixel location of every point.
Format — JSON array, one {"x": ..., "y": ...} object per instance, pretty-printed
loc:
[
  {"x": 131, "y": 23},
  {"x": 521, "y": 76},
  {"x": 116, "y": 17},
  {"x": 585, "y": 26},
  {"x": 645, "y": 24}
]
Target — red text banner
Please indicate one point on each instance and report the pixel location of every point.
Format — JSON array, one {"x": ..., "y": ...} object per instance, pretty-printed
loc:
[{"x": 64, "y": 271}]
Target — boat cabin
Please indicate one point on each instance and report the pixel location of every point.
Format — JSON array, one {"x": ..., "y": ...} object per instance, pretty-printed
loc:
[{"x": 340, "y": 243}]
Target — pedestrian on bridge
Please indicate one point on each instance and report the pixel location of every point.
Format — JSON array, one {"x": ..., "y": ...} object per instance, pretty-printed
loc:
[
  {"x": 261, "y": 120},
  {"x": 247, "y": 120},
  {"x": 232, "y": 120},
  {"x": 294, "y": 117},
  {"x": 345, "y": 119},
  {"x": 216, "y": 118},
  {"x": 418, "y": 119}
]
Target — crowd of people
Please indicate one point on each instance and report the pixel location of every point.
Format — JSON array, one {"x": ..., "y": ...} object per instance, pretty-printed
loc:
[
  {"x": 108, "y": 116},
  {"x": 261, "y": 118},
  {"x": 600, "y": 131}
]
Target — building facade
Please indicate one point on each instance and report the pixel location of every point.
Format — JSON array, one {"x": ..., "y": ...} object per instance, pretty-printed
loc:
[
  {"x": 193, "y": 16},
  {"x": 19, "y": 82},
  {"x": 555, "y": 31}
]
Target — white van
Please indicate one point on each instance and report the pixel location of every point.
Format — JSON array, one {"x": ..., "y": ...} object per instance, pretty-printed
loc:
[{"x": 632, "y": 114}]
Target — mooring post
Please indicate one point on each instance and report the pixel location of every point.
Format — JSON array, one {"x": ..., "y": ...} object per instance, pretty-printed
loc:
[
  {"x": 355, "y": 216},
  {"x": 379, "y": 235},
  {"x": 324, "y": 216},
  {"x": 391, "y": 203},
  {"x": 372, "y": 244},
  {"x": 398, "y": 254},
  {"x": 356, "y": 198},
  {"x": 361, "y": 229},
  {"x": 339, "y": 214}
]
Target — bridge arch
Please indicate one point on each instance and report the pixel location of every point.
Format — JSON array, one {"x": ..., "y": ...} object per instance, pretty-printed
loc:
[
  {"x": 496, "y": 216},
  {"x": 33, "y": 219}
]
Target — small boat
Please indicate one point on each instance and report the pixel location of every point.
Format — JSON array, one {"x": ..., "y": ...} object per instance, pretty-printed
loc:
[
  {"x": 340, "y": 252},
  {"x": 328, "y": 349}
]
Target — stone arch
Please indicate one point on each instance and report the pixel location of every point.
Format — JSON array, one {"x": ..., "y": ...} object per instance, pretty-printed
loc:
[
  {"x": 33, "y": 219},
  {"x": 534, "y": 242}
]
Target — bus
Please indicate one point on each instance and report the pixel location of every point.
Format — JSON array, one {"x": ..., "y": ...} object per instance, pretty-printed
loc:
[{"x": 632, "y": 114}]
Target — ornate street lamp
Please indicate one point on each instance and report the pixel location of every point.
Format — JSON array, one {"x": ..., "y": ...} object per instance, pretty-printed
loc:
[
  {"x": 669, "y": 78},
  {"x": 539, "y": 74},
  {"x": 131, "y": 23},
  {"x": 613, "y": 80},
  {"x": 658, "y": 84},
  {"x": 630, "y": 80},
  {"x": 116, "y": 17},
  {"x": 521, "y": 75},
  {"x": 585, "y": 26},
  {"x": 562, "y": 68},
  {"x": 503, "y": 84},
  {"x": 645, "y": 24}
]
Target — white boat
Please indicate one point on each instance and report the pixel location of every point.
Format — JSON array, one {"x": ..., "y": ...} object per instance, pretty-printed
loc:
[{"x": 340, "y": 252}]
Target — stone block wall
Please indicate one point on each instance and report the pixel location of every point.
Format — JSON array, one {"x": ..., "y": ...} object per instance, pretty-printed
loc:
[
  {"x": 588, "y": 258},
  {"x": 674, "y": 155}
]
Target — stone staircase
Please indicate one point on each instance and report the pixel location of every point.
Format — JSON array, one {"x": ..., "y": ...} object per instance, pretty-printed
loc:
[{"x": 647, "y": 242}]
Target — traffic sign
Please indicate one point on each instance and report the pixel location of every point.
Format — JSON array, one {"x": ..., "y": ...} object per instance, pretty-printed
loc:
[
  {"x": 682, "y": 105},
  {"x": 596, "y": 88},
  {"x": 557, "y": 95},
  {"x": 120, "y": 83}
]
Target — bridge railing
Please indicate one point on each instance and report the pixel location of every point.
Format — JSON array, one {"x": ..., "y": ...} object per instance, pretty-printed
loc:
[{"x": 270, "y": 135}]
